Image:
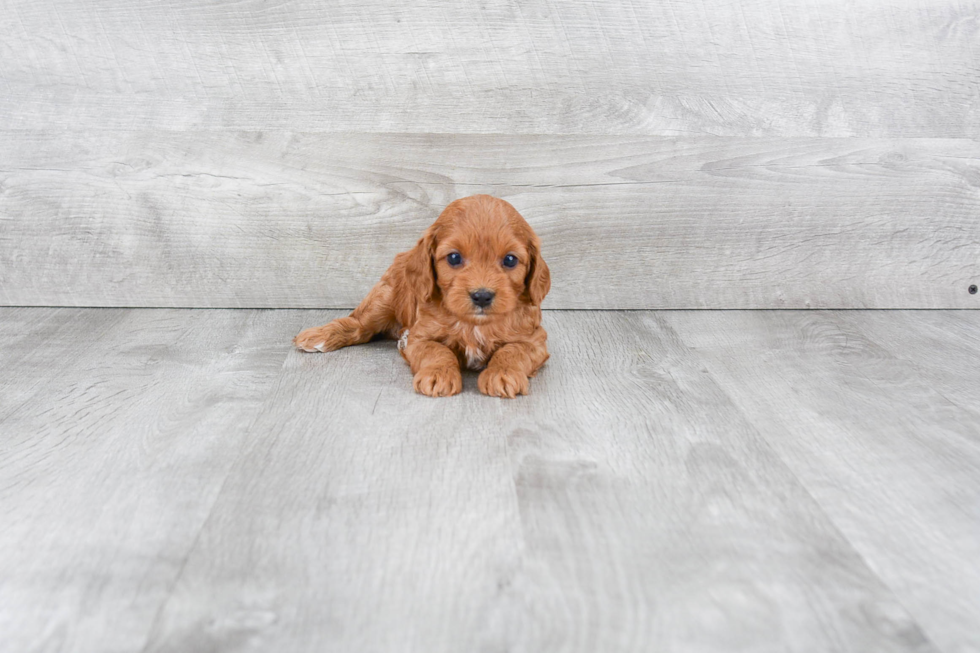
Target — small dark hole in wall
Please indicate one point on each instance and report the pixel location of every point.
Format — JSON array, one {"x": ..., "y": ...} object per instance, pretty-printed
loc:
[{"x": 973, "y": 289}]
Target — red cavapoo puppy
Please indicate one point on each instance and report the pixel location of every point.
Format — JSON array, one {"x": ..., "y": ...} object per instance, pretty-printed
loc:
[{"x": 469, "y": 293}]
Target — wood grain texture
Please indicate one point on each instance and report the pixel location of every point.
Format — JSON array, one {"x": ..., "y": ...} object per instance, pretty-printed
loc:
[
  {"x": 892, "y": 68},
  {"x": 117, "y": 429},
  {"x": 624, "y": 506},
  {"x": 756, "y": 481},
  {"x": 876, "y": 412},
  {"x": 215, "y": 219},
  {"x": 657, "y": 519},
  {"x": 28, "y": 367},
  {"x": 362, "y": 517}
]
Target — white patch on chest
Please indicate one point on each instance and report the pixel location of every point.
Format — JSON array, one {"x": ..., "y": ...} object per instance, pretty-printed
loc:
[
  {"x": 479, "y": 337},
  {"x": 476, "y": 357},
  {"x": 403, "y": 340}
]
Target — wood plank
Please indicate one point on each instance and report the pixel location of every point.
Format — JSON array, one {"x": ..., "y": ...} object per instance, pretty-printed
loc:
[
  {"x": 312, "y": 220},
  {"x": 625, "y": 505},
  {"x": 108, "y": 471},
  {"x": 939, "y": 347},
  {"x": 362, "y": 517},
  {"x": 28, "y": 365},
  {"x": 814, "y": 68},
  {"x": 876, "y": 413}
]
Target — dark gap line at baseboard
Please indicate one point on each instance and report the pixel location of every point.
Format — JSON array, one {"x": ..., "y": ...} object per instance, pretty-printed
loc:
[{"x": 546, "y": 310}]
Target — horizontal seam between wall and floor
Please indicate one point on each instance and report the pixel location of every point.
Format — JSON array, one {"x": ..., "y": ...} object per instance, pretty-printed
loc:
[{"x": 546, "y": 310}]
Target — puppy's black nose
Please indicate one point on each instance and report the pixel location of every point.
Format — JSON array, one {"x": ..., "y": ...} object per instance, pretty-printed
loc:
[{"x": 482, "y": 297}]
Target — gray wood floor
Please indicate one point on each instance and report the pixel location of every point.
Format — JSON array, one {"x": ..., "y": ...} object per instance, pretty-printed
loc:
[{"x": 182, "y": 480}]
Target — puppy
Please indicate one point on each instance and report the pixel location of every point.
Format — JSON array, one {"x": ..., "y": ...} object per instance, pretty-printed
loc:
[{"x": 468, "y": 294}]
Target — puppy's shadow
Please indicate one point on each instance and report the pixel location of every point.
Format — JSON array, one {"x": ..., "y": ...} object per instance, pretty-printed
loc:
[
  {"x": 469, "y": 382},
  {"x": 382, "y": 354},
  {"x": 385, "y": 352}
]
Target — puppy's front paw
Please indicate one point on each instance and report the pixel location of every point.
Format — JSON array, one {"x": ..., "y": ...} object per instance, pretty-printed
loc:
[
  {"x": 322, "y": 338},
  {"x": 502, "y": 383},
  {"x": 439, "y": 382}
]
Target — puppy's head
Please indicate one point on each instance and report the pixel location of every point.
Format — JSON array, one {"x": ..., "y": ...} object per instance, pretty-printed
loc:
[{"x": 483, "y": 258}]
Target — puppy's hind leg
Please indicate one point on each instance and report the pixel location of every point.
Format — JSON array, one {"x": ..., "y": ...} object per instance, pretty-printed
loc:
[{"x": 374, "y": 315}]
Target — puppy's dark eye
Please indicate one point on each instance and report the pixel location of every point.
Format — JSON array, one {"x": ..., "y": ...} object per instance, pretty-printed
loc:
[
  {"x": 510, "y": 261},
  {"x": 454, "y": 259}
]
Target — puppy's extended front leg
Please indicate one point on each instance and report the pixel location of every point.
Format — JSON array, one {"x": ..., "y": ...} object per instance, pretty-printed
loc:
[
  {"x": 508, "y": 370},
  {"x": 435, "y": 367},
  {"x": 372, "y": 316}
]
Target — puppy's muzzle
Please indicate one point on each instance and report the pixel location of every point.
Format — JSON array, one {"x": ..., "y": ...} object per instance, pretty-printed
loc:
[{"x": 482, "y": 298}]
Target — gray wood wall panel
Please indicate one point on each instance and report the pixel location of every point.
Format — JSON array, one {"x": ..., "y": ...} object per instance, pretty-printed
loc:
[
  {"x": 891, "y": 68},
  {"x": 156, "y": 218},
  {"x": 700, "y": 154}
]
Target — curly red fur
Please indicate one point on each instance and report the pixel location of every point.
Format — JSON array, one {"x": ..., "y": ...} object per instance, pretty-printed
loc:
[{"x": 423, "y": 293}]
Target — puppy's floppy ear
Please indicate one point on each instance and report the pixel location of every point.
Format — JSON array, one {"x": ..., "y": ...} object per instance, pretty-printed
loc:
[
  {"x": 537, "y": 283},
  {"x": 420, "y": 268}
]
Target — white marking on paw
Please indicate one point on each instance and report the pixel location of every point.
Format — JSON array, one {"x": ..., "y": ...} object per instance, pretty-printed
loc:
[{"x": 320, "y": 346}]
